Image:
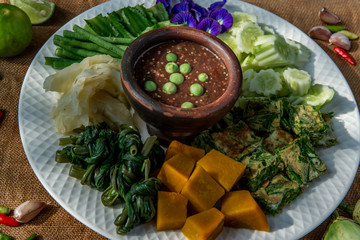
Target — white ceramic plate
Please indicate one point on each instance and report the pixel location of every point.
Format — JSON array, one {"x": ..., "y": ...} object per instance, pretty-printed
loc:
[{"x": 40, "y": 142}]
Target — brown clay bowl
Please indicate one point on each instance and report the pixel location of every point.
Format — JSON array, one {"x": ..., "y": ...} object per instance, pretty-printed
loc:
[{"x": 166, "y": 121}]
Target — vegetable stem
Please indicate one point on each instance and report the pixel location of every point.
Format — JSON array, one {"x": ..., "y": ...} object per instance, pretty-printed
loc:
[
  {"x": 149, "y": 143},
  {"x": 61, "y": 157},
  {"x": 346, "y": 207},
  {"x": 76, "y": 172},
  {"x": 102, "y": 26},
  {"x": 116, "y": 21}
]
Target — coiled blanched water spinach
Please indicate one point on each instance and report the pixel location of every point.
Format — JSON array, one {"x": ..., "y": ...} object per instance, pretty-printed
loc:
[
  {"x": 110, "y": 161},
  {"x": 140, "y": 205}
]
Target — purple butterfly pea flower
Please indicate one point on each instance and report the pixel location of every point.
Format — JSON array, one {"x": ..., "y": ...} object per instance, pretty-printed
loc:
[
  {"x": 184, "y": 18},
  {"x": 182, "y": 7},
  {"x": 190, "y": 2},
  {"x": 209, "y": 25},
  {"x": 223, "y": 17},
  {"x": 166, "y": 3},
  {"x": 199, "y": 11},
  {"x": 216, "y": 5}
]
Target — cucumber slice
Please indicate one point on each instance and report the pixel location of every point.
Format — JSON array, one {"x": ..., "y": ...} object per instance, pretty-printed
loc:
[
  {"x": 230, "y": 40},
  {"x": 266, "y": 82},
  {"x": 249, "y": 62},
  {"x": 268, "y": 30},
  {"x": 285, "y": 90},
  {"x": 248, "y": 76},
  {"x": 319, "y": 95},
  {"x": 299, "y": 81},
  {"x": 302, "y": 53},
  {"x": 296, "y": 100},
  {"x": 272, "y": 51},
  {"x": 246, "y": 35},
  {"x": 240, "y": 17}
]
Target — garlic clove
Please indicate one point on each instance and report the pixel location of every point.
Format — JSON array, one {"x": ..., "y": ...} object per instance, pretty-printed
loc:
[
  {"x": 320, "y": 32},
  {"x": 28, "y": 210},
  {"x": 328, "y": 17},
  {"x": 341, "y": 40}
]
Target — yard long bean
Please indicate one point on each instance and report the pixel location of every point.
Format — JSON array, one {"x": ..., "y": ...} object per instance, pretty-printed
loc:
[
  {"x": 97, "y": 40},
  {"x": 115, "y": 40},
  {"x": 59, "y": 63},
  {"x": 85, "y": 45},
  {"x": 62, "y": 53}
]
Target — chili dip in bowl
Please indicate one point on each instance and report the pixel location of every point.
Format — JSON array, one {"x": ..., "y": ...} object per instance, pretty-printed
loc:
[{"x": 180, "y": 80}]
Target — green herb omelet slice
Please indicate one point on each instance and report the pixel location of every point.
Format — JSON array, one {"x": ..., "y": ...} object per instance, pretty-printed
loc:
[
  {"x": 263, "y": 115},
  {"x": 260, "y": 167},
  {"x": 302, "y": 163},
  {"x": 276, "y": 194}
]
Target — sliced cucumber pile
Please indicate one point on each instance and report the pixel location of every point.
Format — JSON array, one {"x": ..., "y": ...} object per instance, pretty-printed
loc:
[
  {"x": 286, "y": 82},
  {"x": 272, "y": 64},
  {"x": 260, "y": 47}
]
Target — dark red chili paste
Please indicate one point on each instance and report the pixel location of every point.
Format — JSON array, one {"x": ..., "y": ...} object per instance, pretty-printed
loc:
[{"x": 151, "y": 66}]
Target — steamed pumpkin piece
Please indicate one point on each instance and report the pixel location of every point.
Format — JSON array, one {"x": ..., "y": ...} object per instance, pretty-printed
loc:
[
  {"x": 202, "y": 190},
  {"x": 176, "y": 171},
  {"x": 225, "y": 170},
  {"x": 171, "y": 211},
  {"x": 241, "y": 211},
  {"x": 203, "y": 226},
  {"x": 178, "y": 147}
]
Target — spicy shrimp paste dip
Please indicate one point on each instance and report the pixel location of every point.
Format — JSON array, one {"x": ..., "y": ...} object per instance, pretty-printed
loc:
[{"x": 181, "y": 73}]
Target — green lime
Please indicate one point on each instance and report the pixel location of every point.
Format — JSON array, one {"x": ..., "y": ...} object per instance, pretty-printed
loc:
[
  {"x": 15, "y": 30},
  {"x": 39, "y": 11}
]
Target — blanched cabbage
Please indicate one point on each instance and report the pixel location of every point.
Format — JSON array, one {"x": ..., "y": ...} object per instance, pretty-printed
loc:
[{"x": 90, "y": 93}]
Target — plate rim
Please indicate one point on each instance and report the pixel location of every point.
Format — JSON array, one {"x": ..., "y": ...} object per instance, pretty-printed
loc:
[{"x": 83, "y": 220}]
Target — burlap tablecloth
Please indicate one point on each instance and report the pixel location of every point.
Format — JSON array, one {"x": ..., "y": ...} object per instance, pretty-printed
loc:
[{"x": 18, "y": 182}]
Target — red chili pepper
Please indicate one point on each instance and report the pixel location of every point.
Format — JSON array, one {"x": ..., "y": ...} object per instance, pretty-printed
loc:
[
  {"x": 8, "y": 221},
  {"x": 1, "y": 113},
  {"x": 341, "y": 52}
]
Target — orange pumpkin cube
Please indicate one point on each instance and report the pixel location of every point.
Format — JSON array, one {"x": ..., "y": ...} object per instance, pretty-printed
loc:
[
  {"x": 242, "y": 211},
  {"x": 171, "y": 211},
  {"x": 225, "y": 170},
  {"x": 176, "y": 171},
  {"x": 205, "y": 225},
  {"x": 178, "y": 147},
  {"x": 202, "y": 190}
]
